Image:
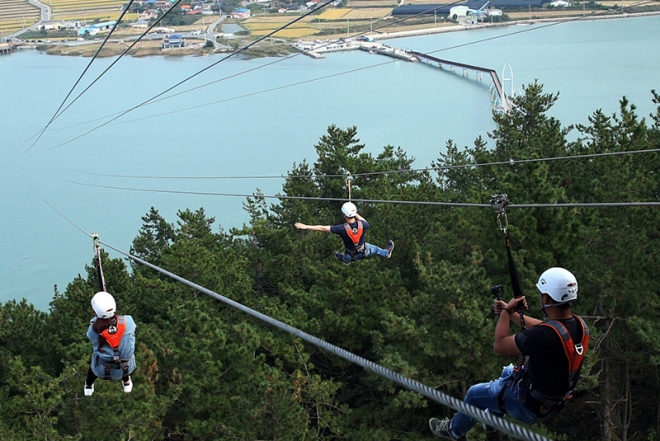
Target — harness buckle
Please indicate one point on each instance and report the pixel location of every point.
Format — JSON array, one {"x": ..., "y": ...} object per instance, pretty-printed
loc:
[{"x": 579, "y": 349}]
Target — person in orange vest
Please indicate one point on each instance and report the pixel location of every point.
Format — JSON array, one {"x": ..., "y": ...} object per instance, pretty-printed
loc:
[
  {"x": 353, "y": 233},
  {"x": 113, "y": 338},
  {"x": 551, "y": 355}
]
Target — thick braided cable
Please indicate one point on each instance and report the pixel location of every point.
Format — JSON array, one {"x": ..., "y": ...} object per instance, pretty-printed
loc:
[{"x": 476, "y": 413}]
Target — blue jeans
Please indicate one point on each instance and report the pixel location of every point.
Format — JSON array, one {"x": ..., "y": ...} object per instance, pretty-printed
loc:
[
  {"x": 484, "y": 396},
  {"x": 369, "y": 250}
]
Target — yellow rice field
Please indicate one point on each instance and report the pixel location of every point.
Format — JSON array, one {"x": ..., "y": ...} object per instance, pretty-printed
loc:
[
  {"x": 367, "y": 13},
  {"x": 263, "y": 27},
  {"x": 334, "y": 14},
  {"x": 103, "y": 16},
  {"x": 281, "y": 20},
  {"x": 255, "y": 26},
  {"x": 289, "y": 33}
]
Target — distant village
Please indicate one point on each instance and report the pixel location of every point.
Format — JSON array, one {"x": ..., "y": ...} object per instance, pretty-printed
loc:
[{"x": 150, "y": 10}]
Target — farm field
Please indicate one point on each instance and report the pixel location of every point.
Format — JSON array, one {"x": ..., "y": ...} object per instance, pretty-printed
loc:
[
  {"x": 333, "y": 14},
  {"x": 328, "y": 20},
  {"x": 16, "y": 15},
  {"x": 367, "y": 13}
]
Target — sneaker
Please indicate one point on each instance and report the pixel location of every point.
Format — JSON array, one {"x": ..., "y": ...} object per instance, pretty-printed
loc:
[
  {"x": 128, "y": 386},
  {"x": 390, "y": 247},
  {"x": 340, "y": 256},
  {"x": 89, "y": 390},
  {"x": 441, "y": 428}
]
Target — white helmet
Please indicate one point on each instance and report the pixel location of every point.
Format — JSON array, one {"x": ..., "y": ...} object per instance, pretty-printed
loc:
[
  {"x": 558, "y": 283},
  {"x": 104, "y": 305},
  {"x": 349, "y": 209}
]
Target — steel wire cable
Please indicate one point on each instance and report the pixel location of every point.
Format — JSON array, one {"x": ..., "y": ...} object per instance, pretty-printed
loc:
[
  {"x": 261, "y": 67},
  {"x": 242, "y": 49},
  {"x": 366, "y": 201},
  {"x": 57, "y": 114},
  {"x": 387, "y": 172},
  {"x": 171, "y": 8},
  {"x": 480, "y": 415},
  {"x": 342, "y": 73},
  {"x": 410, "y": 384}
]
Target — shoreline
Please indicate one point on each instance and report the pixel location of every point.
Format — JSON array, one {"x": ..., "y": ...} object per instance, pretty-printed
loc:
[
  {"x": 459, "y": 27},
  {"x": 111, "y": 49}
]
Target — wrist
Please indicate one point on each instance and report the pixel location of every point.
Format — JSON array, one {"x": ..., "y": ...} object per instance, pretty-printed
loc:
[{"x": 508, "y": 310}]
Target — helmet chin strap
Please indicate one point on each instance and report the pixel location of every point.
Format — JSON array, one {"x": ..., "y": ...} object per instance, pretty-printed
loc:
[{"x": 543, "y": 306}]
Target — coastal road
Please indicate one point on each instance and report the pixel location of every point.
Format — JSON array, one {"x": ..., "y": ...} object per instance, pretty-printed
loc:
[{"x": 210, "y": 32}]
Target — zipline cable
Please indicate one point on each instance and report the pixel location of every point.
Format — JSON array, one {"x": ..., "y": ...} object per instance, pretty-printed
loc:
[
  {"x": 410, "y": 384},
  {"x": 242, "y": 49},
  {"x": 366, "y": 201},
  {"x": 57, "y": 114},
  {"x": 153, "y": 101},
  {"x": 387, "y": 172},
  {"x": 257, "y": 68},
  {"x": 171, "y": 8},
  {"x": 342, "y": 73},
  {"x": 487, "y": 418}
]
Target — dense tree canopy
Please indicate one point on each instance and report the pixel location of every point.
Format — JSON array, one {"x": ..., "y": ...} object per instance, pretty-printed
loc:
[{"x": 207, "y": 371}]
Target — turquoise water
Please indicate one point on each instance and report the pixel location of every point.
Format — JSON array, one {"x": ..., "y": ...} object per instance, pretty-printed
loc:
[{"x": 261, "y": 123}]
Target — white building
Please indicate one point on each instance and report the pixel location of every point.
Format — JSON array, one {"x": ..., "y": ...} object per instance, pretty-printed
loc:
[{"x": 457, "y": 12}]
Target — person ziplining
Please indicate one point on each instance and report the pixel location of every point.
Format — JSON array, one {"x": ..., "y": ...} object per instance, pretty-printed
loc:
[
  {"x": 353, "y": 233},
  {"x": 112, "y": 337},
  {"x": 551, "y": 353}
]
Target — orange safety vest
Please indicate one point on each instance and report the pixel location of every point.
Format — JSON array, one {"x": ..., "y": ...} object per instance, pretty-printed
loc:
[
  {"x": 355, "y": 234},
  {"x": 113, "y": 334}
]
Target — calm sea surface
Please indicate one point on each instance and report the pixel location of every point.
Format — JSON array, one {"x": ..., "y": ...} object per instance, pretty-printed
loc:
[{"x": 255, "y": 122}]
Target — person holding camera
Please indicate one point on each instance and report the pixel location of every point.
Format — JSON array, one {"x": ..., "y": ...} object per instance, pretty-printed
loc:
[{"x": 551, "y": 356}]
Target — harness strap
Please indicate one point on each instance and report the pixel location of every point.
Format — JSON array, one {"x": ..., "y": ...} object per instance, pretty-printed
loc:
[
  {"x": 574, "y": 352},
  {"x": 115, "y": 364},
  {"x": 575, "y": 356},
  {"x": 355, "y": 234}
]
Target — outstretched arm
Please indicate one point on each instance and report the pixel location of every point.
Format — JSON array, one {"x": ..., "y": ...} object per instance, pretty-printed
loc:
[{"x": 301, "y": 226}]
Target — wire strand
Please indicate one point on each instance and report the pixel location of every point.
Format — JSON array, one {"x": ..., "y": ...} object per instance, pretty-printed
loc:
[
  {"x": 487, "y": 418},
  {"x": 244, "y": 48},
  {"x": 387, "y": 172},
  {"x": 57, "y": 114},
  {"x": 366, "y": 201},
  {"x": 343, "y": 73}
]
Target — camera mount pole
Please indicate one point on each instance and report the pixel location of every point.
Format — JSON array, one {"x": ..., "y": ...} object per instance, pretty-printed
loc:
[{"x": 499, "y": 203}]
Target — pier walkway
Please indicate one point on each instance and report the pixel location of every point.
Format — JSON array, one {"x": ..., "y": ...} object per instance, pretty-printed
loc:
[
  {"x": 439, "y": 63},
  {"x": 316, "y": 49},
  {"x": 6, "y": 48}
]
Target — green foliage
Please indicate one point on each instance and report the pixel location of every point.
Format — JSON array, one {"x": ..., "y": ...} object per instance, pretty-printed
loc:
[{"x": 209, "y": 371}]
